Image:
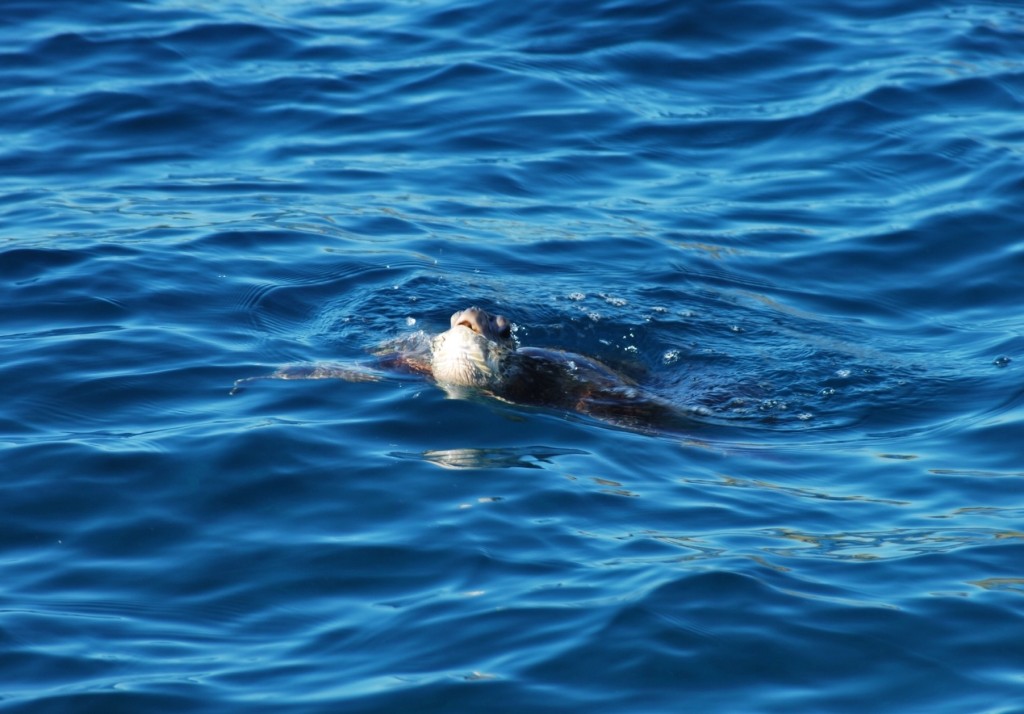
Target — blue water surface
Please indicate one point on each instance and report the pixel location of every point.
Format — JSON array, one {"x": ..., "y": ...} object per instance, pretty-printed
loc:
[{"x": 802, "y": 222}]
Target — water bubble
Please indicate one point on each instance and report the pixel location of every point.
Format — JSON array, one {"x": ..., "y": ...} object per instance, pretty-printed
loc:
[
  {"x": 615, "y": 301},
  {"x": 1002, "y": 361},
  {"x": 670, "y": 357},
  {"x": 577, "y": 296},
  {"x": 843, "y": 373},
  {"x": 410, "y": 321}
]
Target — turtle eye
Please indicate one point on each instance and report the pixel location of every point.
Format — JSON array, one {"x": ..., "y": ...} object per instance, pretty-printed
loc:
[{"x": 502, "y": 327}]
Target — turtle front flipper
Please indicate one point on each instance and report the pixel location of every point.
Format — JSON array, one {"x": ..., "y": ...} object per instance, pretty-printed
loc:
[{"x": 319, "y": 370}]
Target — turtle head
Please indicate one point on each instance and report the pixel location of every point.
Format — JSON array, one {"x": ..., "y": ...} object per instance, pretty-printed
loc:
[
  {"x": 475, "y": 351},
  {"x": 496, "y": 328}
]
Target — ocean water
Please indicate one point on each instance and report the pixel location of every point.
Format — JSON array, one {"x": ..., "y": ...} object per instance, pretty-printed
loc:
[{"x": 802, "y": 221}]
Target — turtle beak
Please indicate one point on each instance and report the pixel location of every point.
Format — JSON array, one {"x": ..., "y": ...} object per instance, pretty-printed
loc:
[
  {"x": 466, "y": 318},
  {"x": 459, "y": 319}
]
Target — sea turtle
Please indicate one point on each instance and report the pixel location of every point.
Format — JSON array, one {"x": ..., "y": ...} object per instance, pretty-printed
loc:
[{"x": 478, "y": 353}]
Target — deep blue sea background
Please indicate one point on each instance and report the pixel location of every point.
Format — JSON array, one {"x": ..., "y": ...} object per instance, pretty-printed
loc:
[{"x": 805, "y": 221}]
